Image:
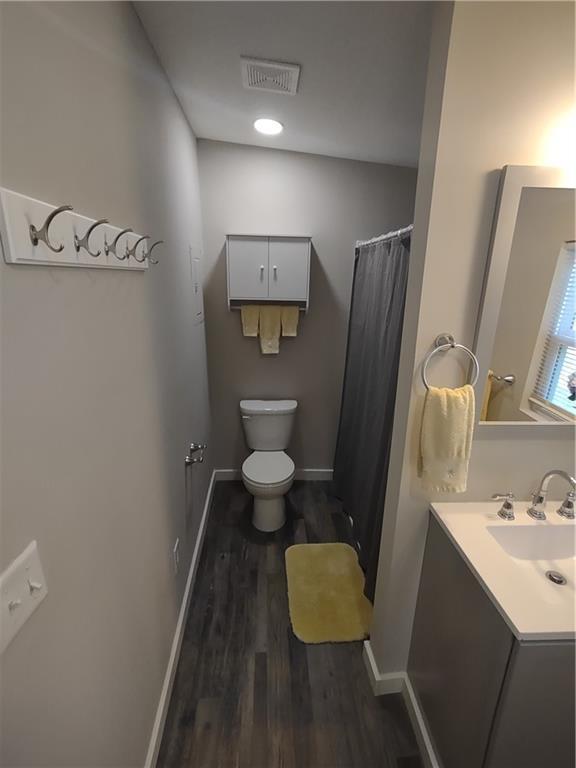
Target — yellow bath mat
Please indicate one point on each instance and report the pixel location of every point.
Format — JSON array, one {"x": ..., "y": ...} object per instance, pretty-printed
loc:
[{"x": 325, "y": 595}]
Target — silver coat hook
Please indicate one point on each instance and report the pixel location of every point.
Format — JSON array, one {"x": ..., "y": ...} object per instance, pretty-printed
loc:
[
  {"x": 111, "y": 247},
  {"x": 132, "y": 251},
  {"x": 83, "y": 242},
  {"x": 149, "y": 254},
  {"x": 43, "y": 235}
]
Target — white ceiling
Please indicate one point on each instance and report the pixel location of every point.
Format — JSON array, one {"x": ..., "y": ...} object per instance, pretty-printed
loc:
[{"x": 361, "y": 88}]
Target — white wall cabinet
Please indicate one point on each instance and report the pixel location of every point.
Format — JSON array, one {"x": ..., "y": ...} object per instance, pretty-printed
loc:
[{"x": 274, "y": 269}]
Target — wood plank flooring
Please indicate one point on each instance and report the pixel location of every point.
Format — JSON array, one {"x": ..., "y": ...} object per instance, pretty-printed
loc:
[{"x": 248, "y": 693}]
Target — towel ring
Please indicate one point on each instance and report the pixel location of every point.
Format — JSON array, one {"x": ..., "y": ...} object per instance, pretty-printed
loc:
[{"x": 443, "y": 343}]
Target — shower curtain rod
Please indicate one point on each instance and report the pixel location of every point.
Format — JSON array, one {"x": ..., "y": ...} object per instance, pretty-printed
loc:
[{"x": 387, "y": 236}]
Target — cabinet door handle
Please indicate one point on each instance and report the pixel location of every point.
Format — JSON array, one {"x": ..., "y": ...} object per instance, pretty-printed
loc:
[
  {"x": 261, "y": 271},
  {"x": 275, "y": 268}
]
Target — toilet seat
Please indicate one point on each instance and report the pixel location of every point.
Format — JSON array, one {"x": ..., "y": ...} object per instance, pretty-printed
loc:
[{"x": 268, "y": 468}]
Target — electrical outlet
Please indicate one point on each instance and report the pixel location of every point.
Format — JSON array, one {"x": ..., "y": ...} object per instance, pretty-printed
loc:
[{"x": 176, "y": 555}]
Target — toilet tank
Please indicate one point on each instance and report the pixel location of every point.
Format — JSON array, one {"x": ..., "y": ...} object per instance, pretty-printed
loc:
[{"x": 268, "y": 423}]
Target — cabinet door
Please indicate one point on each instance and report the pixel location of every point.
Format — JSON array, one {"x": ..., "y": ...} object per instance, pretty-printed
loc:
[
  {"x": 534, "y": 725},
  {"x": 248, "y": 267},
  {"x": 458, "y": 657},
  {"x": 288, "y": 266}
]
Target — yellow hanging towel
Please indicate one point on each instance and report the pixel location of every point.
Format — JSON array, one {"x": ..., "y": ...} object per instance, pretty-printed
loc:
[
  {"x": 446, "y": 438},
  {"x": 250, "y": 314},
  {"x": 290, "y": 316},
  {"x": 487, "y": 395},
  {"x": 270, "y": 329}
]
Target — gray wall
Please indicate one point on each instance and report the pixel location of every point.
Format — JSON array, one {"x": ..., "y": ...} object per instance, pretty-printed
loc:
[
  {"x": 336, "y": 202},
  {"x": 500, "y": 101},
  {"x": 545, "y": 219},
  {"x": 103, "y": 382}
]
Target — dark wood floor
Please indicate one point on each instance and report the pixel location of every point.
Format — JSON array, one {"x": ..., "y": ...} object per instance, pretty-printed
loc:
[{"x": 247, "y": 692}]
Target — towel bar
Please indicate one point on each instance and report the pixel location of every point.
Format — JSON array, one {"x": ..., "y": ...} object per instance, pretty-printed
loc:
[{"x": 443, "y": 343}]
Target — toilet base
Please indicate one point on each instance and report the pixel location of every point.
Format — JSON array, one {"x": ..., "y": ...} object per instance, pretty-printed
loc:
[{"x": 269, "y": 514}]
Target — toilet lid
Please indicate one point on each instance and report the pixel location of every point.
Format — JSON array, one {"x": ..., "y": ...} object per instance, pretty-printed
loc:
[{"x": 268, "y": 467}]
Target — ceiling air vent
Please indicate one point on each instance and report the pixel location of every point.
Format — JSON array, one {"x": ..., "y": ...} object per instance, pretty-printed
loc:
[{"x": 261, "y": 75}]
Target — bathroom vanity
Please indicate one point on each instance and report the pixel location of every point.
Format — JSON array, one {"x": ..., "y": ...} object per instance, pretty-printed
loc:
[{"x": 493, "y": 644}]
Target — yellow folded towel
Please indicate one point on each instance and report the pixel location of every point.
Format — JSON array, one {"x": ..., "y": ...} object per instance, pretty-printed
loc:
[
  {"x": 250, "y": 314},
  {"x": 290, "y": 315},
  {"x": 446, "y": 438},
  {"x": 487, "y": 394},
  {"x": 270, "y": 329}
]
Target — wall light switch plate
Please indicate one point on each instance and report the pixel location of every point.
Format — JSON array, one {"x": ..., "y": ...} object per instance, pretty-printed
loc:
[
  {"x": 197, "y": 287},
  {"x": 22, "y": 589}
]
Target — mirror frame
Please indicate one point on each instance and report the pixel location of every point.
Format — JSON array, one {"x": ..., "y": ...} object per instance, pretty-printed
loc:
[{"x": 512, "y": 181}]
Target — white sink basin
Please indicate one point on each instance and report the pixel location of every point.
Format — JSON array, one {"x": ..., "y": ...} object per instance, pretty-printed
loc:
[
  {"x": 527, "y": 567},
  {"x": 535, "y": 542}
]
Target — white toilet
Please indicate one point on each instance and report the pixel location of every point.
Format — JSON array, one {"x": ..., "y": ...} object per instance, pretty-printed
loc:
[{"x": 268, "y": 473}]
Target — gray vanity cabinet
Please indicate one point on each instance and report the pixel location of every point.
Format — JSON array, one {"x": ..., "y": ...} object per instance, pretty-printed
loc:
[
  {"x": 459, "y": 653},
  {"x": 489, "y": 701},
  {"x": 534, "y": 726}
]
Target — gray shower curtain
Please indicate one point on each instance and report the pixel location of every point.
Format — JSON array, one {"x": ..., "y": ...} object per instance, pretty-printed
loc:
[{"x": 369, "y": 392}]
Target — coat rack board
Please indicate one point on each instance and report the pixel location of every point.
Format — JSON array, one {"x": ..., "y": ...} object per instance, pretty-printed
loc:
[{"x": 37, "y": 233}]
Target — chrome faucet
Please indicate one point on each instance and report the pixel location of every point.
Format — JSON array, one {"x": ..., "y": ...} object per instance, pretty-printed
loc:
[
  {"x": 506, "y": 511},
  {"x": 566, "y": 509},
  {"x": 539, "y": 498}
]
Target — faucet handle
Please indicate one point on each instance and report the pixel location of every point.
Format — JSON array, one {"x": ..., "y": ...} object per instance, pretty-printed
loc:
[
  {"x": 536, "y": 510},
  {"x": 506, "y": 511},
  {"x": 567, "y": 508}
]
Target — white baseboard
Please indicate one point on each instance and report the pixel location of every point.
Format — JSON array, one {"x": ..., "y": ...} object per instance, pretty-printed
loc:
[
  {"x": 301, "y": 474},
  {"x": 425, "y": 745},
  {"x": 162, "y": 710},
  {"x": 227, "y": 474},
  {"x": 314, "y": 474},
  {"x": 399, "y": 682},
  {"x": 381, "y": 684}
]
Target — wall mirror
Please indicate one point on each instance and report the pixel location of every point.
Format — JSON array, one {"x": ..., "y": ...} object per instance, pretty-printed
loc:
[{"x": 526, "y": 341}]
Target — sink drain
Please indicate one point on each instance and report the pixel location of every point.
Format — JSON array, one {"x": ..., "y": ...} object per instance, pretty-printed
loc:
[{"x": 555, "y": 577}]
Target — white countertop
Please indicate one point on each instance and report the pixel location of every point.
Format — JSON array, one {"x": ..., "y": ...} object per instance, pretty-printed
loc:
[{"x": 533, "y": 607}]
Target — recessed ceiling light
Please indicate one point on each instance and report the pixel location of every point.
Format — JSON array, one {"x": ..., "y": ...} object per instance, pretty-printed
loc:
[{"x": 268, "y": 126}]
